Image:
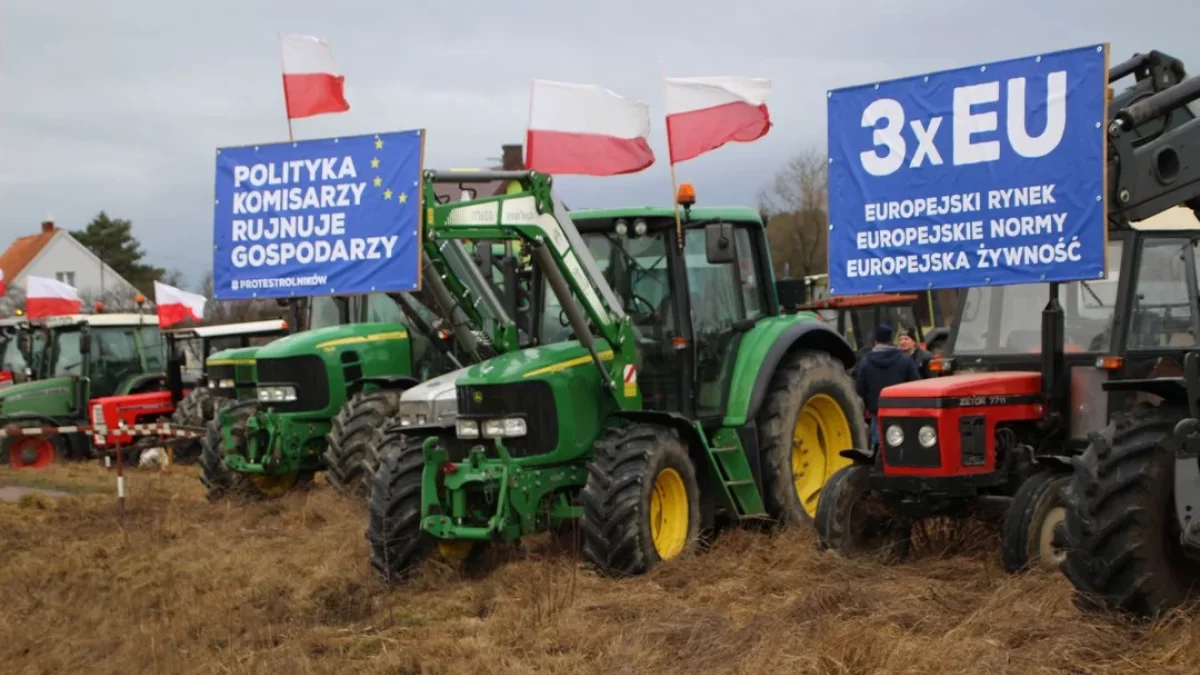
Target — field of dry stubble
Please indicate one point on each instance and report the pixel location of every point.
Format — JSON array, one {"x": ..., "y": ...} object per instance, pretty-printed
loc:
[{"x": 183, "y": 586}]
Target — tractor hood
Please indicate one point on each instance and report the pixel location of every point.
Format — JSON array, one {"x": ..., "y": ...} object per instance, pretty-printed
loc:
[
  {"x": 55, "y": 396},
  {"x": 238, "y": 356},
  {"x": 434, "y": 402},
  {"x": 968, "y": 385},
  {"x": 535, "y": 362},
  {"x": 332, "y": 339}
]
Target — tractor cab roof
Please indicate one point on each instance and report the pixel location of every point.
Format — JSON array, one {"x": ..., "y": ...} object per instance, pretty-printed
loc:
[
  {"x": 739, "y": 214},
  {"x": 116, "y": 319},
  {"x": 267, "y": 327},
  {"x": 864, "y": 300}
]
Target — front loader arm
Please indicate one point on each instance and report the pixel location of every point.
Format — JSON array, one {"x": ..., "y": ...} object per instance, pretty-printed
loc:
[
  {"x": 1154, "y": 140},
  {"x": 535, "y": 216}
]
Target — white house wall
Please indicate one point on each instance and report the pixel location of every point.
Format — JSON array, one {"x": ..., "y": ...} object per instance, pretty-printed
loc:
[{"x": 64, "y": 254}]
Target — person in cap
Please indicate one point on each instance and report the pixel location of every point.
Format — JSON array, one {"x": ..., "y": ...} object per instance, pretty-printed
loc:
[
  {"x": 880, "y": 368},
  {"x": 909, "y": 345}
]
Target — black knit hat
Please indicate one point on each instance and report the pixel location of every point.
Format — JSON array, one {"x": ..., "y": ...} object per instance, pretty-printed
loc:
[{"x": 883, "y": 334}]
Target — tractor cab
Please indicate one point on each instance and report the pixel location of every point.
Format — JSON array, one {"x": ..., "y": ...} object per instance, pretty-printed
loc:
[
  {"x": 855, "y": 317},
  {"x": 16, "y": 345},
  {"x": 107, "y": 353}
]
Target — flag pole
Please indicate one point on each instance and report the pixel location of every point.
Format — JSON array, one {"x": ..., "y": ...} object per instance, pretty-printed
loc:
[
  {"x": 283, "y": 79},
  {"x": 671, "y": 163}
]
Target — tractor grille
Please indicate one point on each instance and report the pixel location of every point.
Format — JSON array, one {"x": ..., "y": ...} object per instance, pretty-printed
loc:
[
  {"x": 973, "y": 430},
  {"x": 910, "y": 453},
  {"x": 243, "y": 375},
  {"x": 532, "y": 400},
  {"x": 215, "y": 375},
  {"x": 306, "y": 373}
]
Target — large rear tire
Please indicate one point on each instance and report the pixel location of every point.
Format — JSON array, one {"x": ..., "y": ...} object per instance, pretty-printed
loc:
[
  {"x": 811, "y": 414},
  {"x": 34, "y": 452},
  {"x": 1030, "y": 521},
  {"x": 398, "y": 544},
  {"x": 349, "y": 454},
  {"x": 1120, "y": 533},
  {"x": 194, "y": 410},
  {"x": 641, "y": 502}
]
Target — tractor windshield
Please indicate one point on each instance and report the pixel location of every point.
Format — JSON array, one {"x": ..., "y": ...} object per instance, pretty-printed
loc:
[
  {"x": 325, "y": 311},
  {"x": 1007, "y": 320}
]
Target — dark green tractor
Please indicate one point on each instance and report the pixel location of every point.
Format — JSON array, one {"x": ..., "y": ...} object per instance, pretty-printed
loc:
[
  {"x": 321, "y": 394},
  {"x": 78, "y": 358},
  {"x": 667, "y": 392}
]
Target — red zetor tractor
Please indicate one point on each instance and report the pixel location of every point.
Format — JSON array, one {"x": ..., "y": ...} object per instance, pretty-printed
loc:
[
  {"x": 181, "y": 389},
  {"x": 1019, "y": 400}
]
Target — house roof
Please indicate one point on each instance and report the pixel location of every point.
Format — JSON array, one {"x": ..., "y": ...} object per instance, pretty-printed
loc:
[{"x": 22, "y": 252}]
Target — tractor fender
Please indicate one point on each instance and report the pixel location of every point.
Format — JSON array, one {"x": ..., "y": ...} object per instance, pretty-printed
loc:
[
  {"x": 381, "y": 382},
  {"x": 46, "y": 420},
  {"x": 1055, "y": 462},
  {"x": 859, "y": 456},
  {"x": 808, "y": 335},
  {"x": 138, "y": 384},
  {"x": 1173, "y": 390}
]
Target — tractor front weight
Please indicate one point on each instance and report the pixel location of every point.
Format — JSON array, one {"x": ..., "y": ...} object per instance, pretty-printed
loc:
[
  {"x": 486, "y": 498},
  {"x": 271, "y": 444}
]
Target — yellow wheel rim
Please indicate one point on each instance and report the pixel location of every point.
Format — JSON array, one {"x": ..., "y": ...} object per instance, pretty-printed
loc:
[
  {"x": 822, "y": 431},
  {"x": 456, "y": 550},
  {"x": 273, "y": 486},
  {"x": 669, "y": 514}
]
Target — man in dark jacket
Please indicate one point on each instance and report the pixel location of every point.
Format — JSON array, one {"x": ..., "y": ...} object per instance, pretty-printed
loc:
[
  {"x": 882, "y": 367},
  {"x": 909, "y": 345}
]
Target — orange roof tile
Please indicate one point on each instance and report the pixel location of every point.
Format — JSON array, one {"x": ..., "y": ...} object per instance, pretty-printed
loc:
[{"x": 22, "y": 252}]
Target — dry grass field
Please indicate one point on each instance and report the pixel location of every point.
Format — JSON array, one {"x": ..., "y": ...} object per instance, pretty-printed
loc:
[{"x": 183, "y": 586}]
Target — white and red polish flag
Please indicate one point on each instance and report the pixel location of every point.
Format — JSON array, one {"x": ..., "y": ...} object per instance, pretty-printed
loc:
[
  {"x": 176, "y": 305},
  {"x": 49, "y": 297},
  {"x": 3, "y": 286},
  {"x": 311, "y": 83},
  {"x": 586, "y": 129},
  {"x": 704, "y": 113}
]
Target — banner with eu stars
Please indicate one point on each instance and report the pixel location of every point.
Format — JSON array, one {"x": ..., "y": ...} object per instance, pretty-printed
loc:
[{"x": 334, "y": 216}]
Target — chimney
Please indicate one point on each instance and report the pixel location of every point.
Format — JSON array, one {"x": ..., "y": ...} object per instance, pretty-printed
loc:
[
  {"x": 513, "y": 157},
  {"x": 47, "y": 226}
]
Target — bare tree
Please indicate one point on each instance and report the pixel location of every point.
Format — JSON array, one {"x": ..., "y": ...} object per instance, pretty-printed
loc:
[
  {"x": 797, "y": 208},
  {"x": 237, "y": 311}
]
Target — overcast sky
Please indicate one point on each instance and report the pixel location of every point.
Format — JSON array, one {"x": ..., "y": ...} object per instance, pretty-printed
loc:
[{"x": 120, "y": 105}]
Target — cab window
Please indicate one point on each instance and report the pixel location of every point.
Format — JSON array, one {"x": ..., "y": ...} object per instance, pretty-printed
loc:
[{"x": 382, "y": 309}]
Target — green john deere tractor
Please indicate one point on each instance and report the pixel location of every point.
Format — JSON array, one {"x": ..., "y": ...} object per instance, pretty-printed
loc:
[
  {"x": 77, "y": 358},
  {"x": 322, "y": 393},
  {"x": 667, "y": 390}
]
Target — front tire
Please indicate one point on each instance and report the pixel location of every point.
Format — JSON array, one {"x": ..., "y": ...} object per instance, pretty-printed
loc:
[
  {"x": 398, "y": 544},
  {"x": 215, "y": 476},
  {"x": 1030, "y": 522},
  {"x": 641, "y": 502},
  {"x": 811, "y": 414},
  {"x": 193, "y": 411},
  {"x": 34, "y": 452},
  {"x": 349, "y": 451},
  {"x": 854, "y": 521},
  {"x": 1121, "y": 534}
]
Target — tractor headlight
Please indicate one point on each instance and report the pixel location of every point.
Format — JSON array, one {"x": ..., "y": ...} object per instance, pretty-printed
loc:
[
  {"x": 467, "y": 428},
  {"x": 895, "y": 436},
  {"x": 509, "y": 427},
  {"x": 622, "y": 228},
  {"x": 639, "y": 227},
  {"x": 927, "y": 436},
  {"x": 276, "y": 394},
  {"x": 225, "y": 384}
]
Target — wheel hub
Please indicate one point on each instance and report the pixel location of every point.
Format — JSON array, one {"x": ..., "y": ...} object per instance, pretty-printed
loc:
[
  {"x": 668, "y": 514},
  {"x": 1049, "y": 555},
  {"x": 822, "y": 431}
]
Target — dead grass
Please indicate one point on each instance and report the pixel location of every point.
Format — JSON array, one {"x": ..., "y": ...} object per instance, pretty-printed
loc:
[{"x": 182, "y": 586}]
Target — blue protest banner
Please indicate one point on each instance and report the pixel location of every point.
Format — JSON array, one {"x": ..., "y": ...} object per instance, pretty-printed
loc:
[
  {"x": 991, "y": 174},
  {"x": 330, "y": 216}
]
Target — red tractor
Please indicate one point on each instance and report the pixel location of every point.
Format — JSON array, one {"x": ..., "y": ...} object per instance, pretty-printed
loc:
[
  {"x": 1020, "y": 396},
  {"x": 176, "y": 385}
]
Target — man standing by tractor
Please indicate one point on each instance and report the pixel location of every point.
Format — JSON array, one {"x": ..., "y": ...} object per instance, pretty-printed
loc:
[
  {"x": 882, "y": 367},
  {"x": 909, "y": 345}
]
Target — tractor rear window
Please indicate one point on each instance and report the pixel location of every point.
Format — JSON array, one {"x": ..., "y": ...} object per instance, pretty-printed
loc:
[{"x": 1007, "y": 320}]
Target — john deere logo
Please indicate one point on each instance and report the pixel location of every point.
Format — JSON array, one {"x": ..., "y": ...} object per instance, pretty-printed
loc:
[{"x": 477, "y": 397}]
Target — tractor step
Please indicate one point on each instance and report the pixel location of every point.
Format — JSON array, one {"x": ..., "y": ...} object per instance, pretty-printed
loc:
[{"x": 732, "y": 468}]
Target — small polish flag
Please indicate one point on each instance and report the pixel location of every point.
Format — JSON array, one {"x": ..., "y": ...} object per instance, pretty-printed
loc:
[
  {"x": 3, "y": 286},
  {"x": 586, "y": 129},
  {"x": 176, "y": 305},
  {"x": 704, "y": 113},
  {"x": 311, "y": 83},
  {"x": 49, "y": 297}
]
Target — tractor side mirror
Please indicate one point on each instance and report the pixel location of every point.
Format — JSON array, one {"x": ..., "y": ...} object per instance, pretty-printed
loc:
[
  {"x": 85, "y": 343},
  {"x": 718, "y": 243}
]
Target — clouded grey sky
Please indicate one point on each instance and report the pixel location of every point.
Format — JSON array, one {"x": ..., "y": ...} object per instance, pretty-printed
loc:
[{"x": 120, "y": 105}]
